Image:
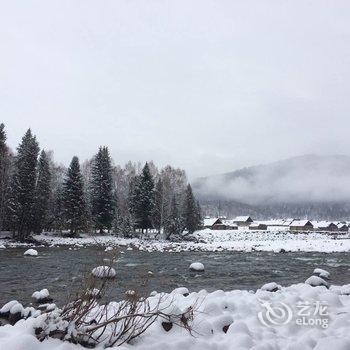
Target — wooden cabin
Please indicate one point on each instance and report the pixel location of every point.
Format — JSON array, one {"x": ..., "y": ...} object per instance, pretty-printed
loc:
[
  {"x": 243, "y": 220},
  {"x": 211, "y": 222},
  {"x": 230, "y": 225},
  {"x": 325, "y": 226},
  {"x": 342, "y": 227},
  {"x": 258, "y": 226},
  {"x": 301, "y": 225}
]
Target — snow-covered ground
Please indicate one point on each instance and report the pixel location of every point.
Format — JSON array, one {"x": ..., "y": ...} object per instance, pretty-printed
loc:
[
  {"x": 293, "y": 318},
  {"x": 276, "y": 240}
]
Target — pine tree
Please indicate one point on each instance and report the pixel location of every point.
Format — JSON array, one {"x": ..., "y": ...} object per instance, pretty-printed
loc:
[
  {"x": 42, "y": 193},
  {"x": 192, "y": 217},
  {"x": 74, "y": 206},
  {"x": 142, "y": 199},
  {"x": 174, "y": 223},
  {"x": 23, "y": 186},
  {"x": 101, "y": 190},
  {"x": 158, "y": 211},
  {"x": 4, "y": 172}
]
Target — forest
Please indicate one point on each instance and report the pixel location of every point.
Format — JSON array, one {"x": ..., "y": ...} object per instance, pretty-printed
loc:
[{"x": 38, "y": 195}]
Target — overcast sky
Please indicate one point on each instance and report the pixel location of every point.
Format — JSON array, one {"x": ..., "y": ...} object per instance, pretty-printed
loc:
[{"x": 209, "y": 86}]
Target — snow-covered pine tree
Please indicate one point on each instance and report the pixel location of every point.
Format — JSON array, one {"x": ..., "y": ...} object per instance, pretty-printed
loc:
[
  {"x": 4, "y": 172},
  {"x": 101, "y": 190},
  {"x": 174, "y": 223},
  {"x": 74, "y": 206},
  {"x": 42, "y": 193},
  {"x": 191, "y": 214},
  {"x": 199, "y": 215},
  {"x": 143, "y": 199},
  {"x": 158, "y": 211},
  {"x": 23, "y": 182}
]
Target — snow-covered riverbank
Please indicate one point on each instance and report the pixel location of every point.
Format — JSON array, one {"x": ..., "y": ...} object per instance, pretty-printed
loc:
[
  {"x": 293, "y": 318},
  {"x": 208, "y": 240}
]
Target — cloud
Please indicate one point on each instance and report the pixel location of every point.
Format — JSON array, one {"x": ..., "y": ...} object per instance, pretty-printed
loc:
[{"x": 298, "y": 180}]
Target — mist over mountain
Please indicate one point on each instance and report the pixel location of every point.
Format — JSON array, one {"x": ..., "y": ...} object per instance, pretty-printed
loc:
[{"x": 306, "y": 186}]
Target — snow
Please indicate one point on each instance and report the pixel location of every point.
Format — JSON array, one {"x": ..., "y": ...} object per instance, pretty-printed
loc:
[
  {"x": 2, "y": 246},
  {"x": 299, "y": 223},
  {"x": 275, "y": 239},
  {"x": 196, "y": 266},
  {"x": 271, "y": 287},
  {"x": 321, "y": 273},
  {"x": 223, "y": 320},
  {"x": 104, "y": 272},
  {"x": 181, "y": 290},
  {"x": 241, "y": 218},
  {"x": 345, "y": 290},
  {"x": 17, "y": 308},
  {"x": 41, "y": 295},
  {"x": 316, "y": 281},
  {"x": 208, "y": 222},
  {"x": 7, "y": 307},
  {"x": 31, "y": 252}
]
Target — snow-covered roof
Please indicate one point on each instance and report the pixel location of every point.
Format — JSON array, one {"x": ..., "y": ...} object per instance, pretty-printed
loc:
[
  {"x": 300, "y": 223},
  {"x": 257, "y": 224},
  {"x": 229, "y": 223},
  {"x": 276, "y": 222},
  {"x": 323, "y": 224},
  {"x": 242, "y": 219},
  {"x": 210, "y": 221},
  {"x": 287, "y": 222}
]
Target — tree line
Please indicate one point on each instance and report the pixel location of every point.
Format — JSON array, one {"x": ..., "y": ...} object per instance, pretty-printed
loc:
[{"x": 37, "y": 195}]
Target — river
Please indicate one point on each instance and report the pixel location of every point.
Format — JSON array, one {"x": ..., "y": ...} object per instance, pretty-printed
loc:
[{"x": 61, "y": 269}]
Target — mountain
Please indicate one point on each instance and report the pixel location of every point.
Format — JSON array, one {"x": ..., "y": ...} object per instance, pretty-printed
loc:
[{"x": 311, "y": 186}]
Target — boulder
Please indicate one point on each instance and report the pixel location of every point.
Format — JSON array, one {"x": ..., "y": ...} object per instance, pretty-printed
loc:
[
  {"x": 315, "y": 281},
  {"x": 104, "y": 272},
  {"x": 197, "y": 266},
  {"x": 31, "y": 252}
]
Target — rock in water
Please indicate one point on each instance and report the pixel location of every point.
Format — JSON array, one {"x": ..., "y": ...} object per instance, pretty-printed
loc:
[
  {"x": 31, "y": 252},
  {"x": 104, "y": 272},
  {"x": 322, "y": 273},
  {"x": 271, "y": 287},
  {"x": 197, "y": 266},
  {"x": 42, "y": 296},
  {"x": 315, "y": 281}
]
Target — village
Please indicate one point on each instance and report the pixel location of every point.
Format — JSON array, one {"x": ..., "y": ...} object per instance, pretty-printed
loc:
[{"x": 293, "y": 225}]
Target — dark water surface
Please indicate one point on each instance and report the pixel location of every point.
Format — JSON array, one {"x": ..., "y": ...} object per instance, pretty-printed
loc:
[{"x": 60, "y": 270}]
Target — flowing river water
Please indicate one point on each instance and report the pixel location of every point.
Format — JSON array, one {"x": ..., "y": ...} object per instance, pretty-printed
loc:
[{"x": 61, "y": 269}]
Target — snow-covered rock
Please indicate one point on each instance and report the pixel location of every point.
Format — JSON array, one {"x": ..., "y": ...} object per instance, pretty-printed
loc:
[
  {"x": 5, "y": 310},
  {"x": 196, "y": 266},
  {"x": 2, "y": 246},
  {"x": 271, "y": 287},
  {"x": 181, "y": 290},
  {"x": 42, "y": 296},
  {"x": 222, "y": 320},
  {"x": 104, "y": 272},
  {"x": 315, "y": 281},
  {"x": 345, "y": 290},
  {"x": 31, "y": 252},
  {"x": 322, "y": 273},
  {"x": 108, "y": 249}
]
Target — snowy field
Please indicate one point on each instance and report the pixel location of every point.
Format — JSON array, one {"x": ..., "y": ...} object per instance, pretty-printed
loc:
[
  {"x": 275, "y": 240},
  {"x": 292, "y": 318}
]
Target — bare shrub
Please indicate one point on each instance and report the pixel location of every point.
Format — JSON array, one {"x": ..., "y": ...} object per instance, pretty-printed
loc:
[{"x": 86, "y": 321}]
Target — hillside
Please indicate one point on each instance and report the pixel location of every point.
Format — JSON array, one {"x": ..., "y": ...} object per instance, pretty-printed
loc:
[{"x": 306, "y": 186}]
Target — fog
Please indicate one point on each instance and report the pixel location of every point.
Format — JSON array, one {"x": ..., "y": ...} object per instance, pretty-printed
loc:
[
  {"x": 210, "y": 86},
  {"x": 302, "y": 179}
]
